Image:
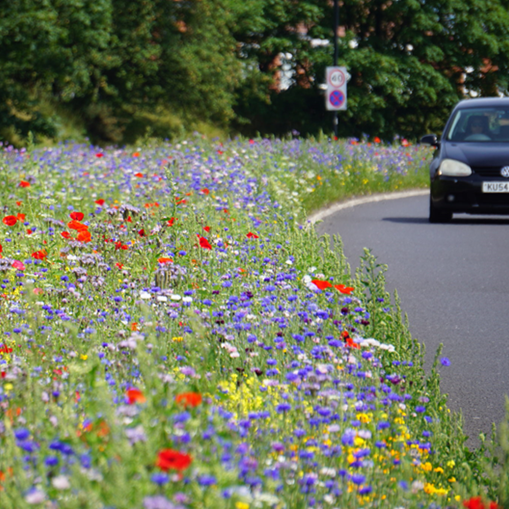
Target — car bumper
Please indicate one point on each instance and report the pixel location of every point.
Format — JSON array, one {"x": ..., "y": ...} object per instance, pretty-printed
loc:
[{"x": 464, "y": 194}]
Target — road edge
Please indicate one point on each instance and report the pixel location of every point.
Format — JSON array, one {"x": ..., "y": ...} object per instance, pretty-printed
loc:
[{"x": 336, "y": 207}]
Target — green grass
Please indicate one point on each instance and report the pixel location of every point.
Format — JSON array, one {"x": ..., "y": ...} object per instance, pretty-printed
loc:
[{"x": 192, "y": 324}]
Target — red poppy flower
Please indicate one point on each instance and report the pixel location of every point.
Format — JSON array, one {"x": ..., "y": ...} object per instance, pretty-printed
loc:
[
  {"x": 206, "y": 228},
  {"x": 76, "y": 225},
  {"x": 141, "y": 232},
  {"x": 66, "y": 235},
  {"x": 169, "y": 459},
  {"x": 1, "y": 248},
  {"x": 119, "y": 245},
  {"x": 251, "y": 235},
  {"x": 171, "y": 221},
  {"x": 322, "y": 285},
  {"x": 347, "y": 290},
  {"x": 135, "y": 396},
  {"x": 100, "y": 202},
  {"x": 136, "y": 154},
  {"x": 376, "y": 139},
  {"x": 18, "y": 265},
  {"x": 477, "y": 503},
  {"x": 20, "y": 217},
  {"x": 164, "y": 260},
  {"x": 187, "y": 399},
  {"x": 39, "y": 255},
  {"x": 348, "y": 340},
  {"x": 139, "y": 175},
  {"x": 77, "y": 216},
  {"x": 204, "y": 243},
  {"x": 205, "y": 190},
  {"x": 99, "y": 154},
  {"x": 9, "y": 220},
  {"x": 24, "y": 183},
  {"x": 84, "y": 236}
]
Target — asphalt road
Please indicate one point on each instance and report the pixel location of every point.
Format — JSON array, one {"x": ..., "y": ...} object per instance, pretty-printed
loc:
[{"x": 453, "y": 281}]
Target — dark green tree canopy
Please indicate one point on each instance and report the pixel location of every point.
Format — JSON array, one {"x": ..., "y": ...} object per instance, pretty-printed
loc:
[{"x": 251, "y": 66}]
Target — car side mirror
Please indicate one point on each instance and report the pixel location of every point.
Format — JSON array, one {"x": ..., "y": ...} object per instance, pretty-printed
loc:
[{"x": 430, "y": 139}]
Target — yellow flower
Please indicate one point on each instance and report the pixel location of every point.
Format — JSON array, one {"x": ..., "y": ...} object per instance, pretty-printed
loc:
[
  {"x": 439, "y": 470},
  {"x": 364, "y": 418},
  {"x": 431, "y": 490},
  {"x": 241, "y": 505},
  {"x": 84, "y": 357},
  {"x": 8, "y": 387},
  {"x": 451, "y": 463},
  {"x": 177, "y": 339},
  {"x": 452, "y": 479},
  {"x": 427, "y": 466},
  {"x": 358, "y": 441}
]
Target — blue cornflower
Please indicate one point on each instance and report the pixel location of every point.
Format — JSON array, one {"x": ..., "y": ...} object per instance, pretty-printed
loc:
[
  {"x": 21, "y": 433},
  {"x": 159, "y": 478},
  {"x": 206, "y": 480},
  {"x": 358, "y": 478},
  {"x": 51, "y": 461}
]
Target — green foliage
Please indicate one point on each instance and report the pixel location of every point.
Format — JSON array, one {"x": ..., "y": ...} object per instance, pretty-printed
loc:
[
  {"x": 90, "y": 323},
  {"x": 410, "y": 62},
  {"x": 250, "y": 67},
  {"x": 102, "y": 61}
]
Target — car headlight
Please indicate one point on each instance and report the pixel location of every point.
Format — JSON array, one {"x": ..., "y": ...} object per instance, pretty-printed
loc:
[{"x": 453, "y": 168}]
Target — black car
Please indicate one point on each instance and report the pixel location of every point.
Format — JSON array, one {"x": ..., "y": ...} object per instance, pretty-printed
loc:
[{"x": 470, "y": 168}]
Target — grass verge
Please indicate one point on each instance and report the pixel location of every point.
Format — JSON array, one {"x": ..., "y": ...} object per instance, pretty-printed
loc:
[{"x": 174, "y": 337}]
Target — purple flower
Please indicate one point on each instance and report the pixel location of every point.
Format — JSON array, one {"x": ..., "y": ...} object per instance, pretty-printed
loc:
[
  {"x": 445, "y": 361},
  {"x": 21, "y": 433},
  {"x": 159, "y": 478},
  {"x": 283, "y": 407},
  {"x": 158, "y": 502},
  {"x": 206, "y": 480},
  {"x": 358, "y": 478}
]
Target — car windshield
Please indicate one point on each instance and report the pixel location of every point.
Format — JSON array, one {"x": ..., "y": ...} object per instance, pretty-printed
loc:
[{"x": 474, "y": 125}]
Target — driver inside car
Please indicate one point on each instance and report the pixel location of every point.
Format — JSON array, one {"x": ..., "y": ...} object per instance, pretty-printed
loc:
[{"x": 476, "y": 124}]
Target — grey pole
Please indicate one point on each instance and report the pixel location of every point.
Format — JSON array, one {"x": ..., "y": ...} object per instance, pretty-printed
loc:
[{"x": 336, "y": 26}]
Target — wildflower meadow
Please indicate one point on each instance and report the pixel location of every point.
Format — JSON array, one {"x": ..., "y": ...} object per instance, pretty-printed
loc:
[{"x": 174, "y": 335}]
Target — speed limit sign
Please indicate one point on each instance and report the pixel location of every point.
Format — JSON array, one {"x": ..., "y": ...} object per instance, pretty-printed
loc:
[
  {"x": 337, "y": 77},
  {"x": 335, "y": 96}
]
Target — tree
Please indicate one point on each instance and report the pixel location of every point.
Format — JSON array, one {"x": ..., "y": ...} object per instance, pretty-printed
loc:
[
  {"x": 101, "y": 60},
  {"x": 410, "y": 62}
]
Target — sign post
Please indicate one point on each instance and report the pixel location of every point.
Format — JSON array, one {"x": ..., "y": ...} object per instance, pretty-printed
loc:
[
  {"x": 335, "y": 95},
  {"x": 336, "y": 51}
]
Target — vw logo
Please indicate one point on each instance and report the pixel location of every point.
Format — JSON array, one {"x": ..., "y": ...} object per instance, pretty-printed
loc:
[{"x": 505, "y": 171}]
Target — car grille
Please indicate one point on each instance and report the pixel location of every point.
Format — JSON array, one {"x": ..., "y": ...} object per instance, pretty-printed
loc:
[
  {"x": 493, "y": 199},
  {"x": 493, "y": 171}
]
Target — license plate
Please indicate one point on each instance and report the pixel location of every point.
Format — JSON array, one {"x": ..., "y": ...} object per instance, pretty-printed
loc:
[{"x": 495, "y": 187}]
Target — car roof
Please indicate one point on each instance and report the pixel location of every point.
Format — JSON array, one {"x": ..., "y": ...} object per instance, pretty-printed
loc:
[{"x": 483, "y": 102}]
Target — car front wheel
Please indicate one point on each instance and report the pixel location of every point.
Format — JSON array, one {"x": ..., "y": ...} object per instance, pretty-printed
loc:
[{"x": 437, "y": 215}]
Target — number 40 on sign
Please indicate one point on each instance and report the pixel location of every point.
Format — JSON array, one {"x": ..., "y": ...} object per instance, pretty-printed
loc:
[{"x": 335, "y": 95}]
